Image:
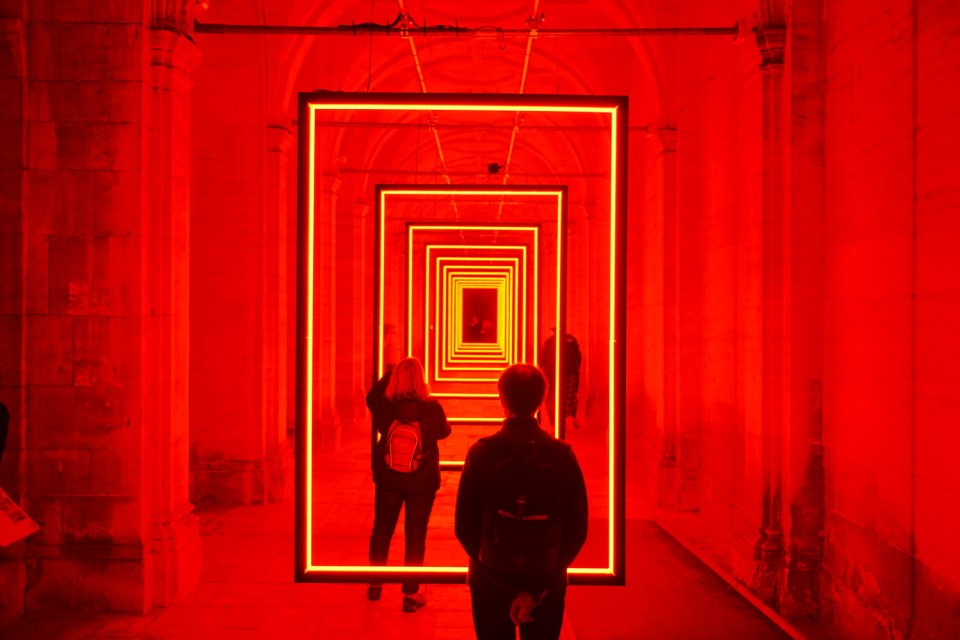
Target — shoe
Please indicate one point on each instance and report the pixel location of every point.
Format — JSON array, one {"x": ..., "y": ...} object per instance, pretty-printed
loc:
[
  {"x": 374, "y": 591},
  {"x": 413, "y": 602}
]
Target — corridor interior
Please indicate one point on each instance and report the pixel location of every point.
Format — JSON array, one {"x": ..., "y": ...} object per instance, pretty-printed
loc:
[{"x": 219, "y": 219}]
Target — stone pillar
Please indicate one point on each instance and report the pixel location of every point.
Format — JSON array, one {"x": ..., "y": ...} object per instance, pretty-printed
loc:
[
  {"x": 593, "y": 336},
  {"x": 13, "y": 254},
  {"x": 278, "y": 475},
  {"x": 769, "y": 548},
  {"x": 327, "y": 428},
  {"x": 689, "y": 264},
  {"x": 348, "y": 314},
  {"x": 362, "y": 276},
  {"x": 165, "y": 305},
  {"x": 805, "y": 483},
  {"x": 669, "y": 483},
  {"x": 105, "y": 305}
]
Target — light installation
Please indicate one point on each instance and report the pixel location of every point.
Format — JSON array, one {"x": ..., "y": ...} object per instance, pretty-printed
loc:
[{"x": 612, "y": 111}]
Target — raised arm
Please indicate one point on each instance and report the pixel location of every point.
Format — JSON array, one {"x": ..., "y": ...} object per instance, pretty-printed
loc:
[{"x": 376, "y": 397}]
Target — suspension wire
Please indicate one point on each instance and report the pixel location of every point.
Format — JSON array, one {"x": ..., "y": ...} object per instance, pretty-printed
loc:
[
  {"x": 533, "y": 22},
  {"x": 370, "y": 52},
  {"x": 405, "y": 22}
]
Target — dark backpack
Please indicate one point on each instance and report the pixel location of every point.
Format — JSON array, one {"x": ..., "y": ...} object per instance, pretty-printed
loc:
[
  {"x": 522, "y": 526},
  {"x": 403, "y": 446}
]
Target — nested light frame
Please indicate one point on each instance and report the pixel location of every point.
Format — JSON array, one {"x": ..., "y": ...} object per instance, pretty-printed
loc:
[
  {"x": 503, "y": 351},
  {"x": 515, "y": 274},
  {"x": 483, "y": 277},
  {"x": 434, "y": 282},
  {"x": 614, "y": 107},
  {"x": 452, "y": 279},
  {"x": 448, "y": 349}
]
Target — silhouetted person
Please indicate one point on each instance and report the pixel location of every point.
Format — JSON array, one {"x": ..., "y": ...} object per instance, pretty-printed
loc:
[
  {"x": 474, "y": 329},
  {"x": 570, "y": 384},
  {"x": 406, "y": 467},
  {"x": 521, "y": 517}
]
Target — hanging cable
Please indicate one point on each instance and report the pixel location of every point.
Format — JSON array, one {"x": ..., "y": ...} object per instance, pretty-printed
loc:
[
  {"x": 370, "y": 52},
  {"x": 405, "y": 23},
  {"x": 533, "y": 22}
]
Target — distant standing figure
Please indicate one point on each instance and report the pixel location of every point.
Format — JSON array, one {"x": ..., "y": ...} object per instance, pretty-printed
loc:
[
  {"x": 521, "y": 516},
  {"x": 406, "y": 467},
  {"x": 570, "y": 384}
]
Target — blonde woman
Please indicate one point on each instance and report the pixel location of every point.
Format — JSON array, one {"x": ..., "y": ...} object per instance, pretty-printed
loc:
[{"x": 406, "y": 467}]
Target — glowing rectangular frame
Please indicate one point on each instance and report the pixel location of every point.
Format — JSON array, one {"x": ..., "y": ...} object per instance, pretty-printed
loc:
[
  {"x": 455, "y": 277},
  {"x": 481, "y": 276},
  {"x": 519, "y": 293},
  {"x": 412, "y": 228},
  {"x": 310, "y": 103},
  {"x": 470, "y": 352},
  {"x": 504, "y": 351},
  {"x": 459, "y": 261}
]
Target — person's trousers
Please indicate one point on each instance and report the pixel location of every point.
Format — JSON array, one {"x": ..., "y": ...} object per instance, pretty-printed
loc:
[
  {"x": 491, "y": 615},
  {"x": 386, "y": 513}
]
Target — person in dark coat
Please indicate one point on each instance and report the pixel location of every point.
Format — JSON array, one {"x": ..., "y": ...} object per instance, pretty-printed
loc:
[
  {"x": 569, "y": 385},
  {"x": 532, "y": 600},
  {"x": 403, "y": 394}
]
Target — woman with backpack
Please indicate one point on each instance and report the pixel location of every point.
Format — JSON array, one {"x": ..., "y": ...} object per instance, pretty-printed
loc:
[{"x": 406, "y": 467}]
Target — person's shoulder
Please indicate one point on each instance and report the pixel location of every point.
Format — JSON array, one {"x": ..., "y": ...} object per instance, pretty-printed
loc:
[
  {"x": 558, "y": 448},
  {"x": 432, "y": 405},
  {"x": 482, "y": 447}
]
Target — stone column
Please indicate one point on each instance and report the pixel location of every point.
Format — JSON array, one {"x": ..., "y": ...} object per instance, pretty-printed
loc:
[
  {"x": 805, "y": 483},
  {"x": 327, "y": 428},
  {"x": 278, "y": 473},
  {"x": 348, "y": 314},
  {"x": 769, "y": 548},
  {"x": 362, "y": 276},
  {"x": 106, "y": 212},
  {"x": 165, "y": 307},
  {"x": 14, "y": 251},
  {"x": 669, "y": 484}
]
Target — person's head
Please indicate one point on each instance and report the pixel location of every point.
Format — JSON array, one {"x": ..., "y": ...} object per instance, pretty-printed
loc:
[
  {"x": 407, "y": 381},
  {"x": 521, "y": 388}
]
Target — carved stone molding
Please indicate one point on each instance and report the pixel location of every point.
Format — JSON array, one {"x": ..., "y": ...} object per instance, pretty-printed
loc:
[
  {"x": 174, "y": 15},
  {"x": 279, "y": 139},
  {"x": 771, "y": 42},
  {"x": 173, "y": 51}
]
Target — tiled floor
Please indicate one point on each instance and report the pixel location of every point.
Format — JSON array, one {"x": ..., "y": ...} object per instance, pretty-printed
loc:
[
  {"x": 247, "y": 588},
  {"x": 247, "y": 592}
]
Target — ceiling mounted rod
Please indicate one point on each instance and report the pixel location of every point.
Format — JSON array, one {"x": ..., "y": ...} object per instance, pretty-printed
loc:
[{"x": 457, "y": 31}]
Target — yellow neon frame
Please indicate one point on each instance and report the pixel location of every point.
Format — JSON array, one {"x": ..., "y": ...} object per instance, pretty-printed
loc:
[
  {"x": 535, "y": 243},
  {"x": 504, "y": 350},
  {"x": 455, "y": 278},
  {"x": 410, "y": 252},
  {"x": 310, "y": 105},
  {"x": 474, "y": 351}
]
